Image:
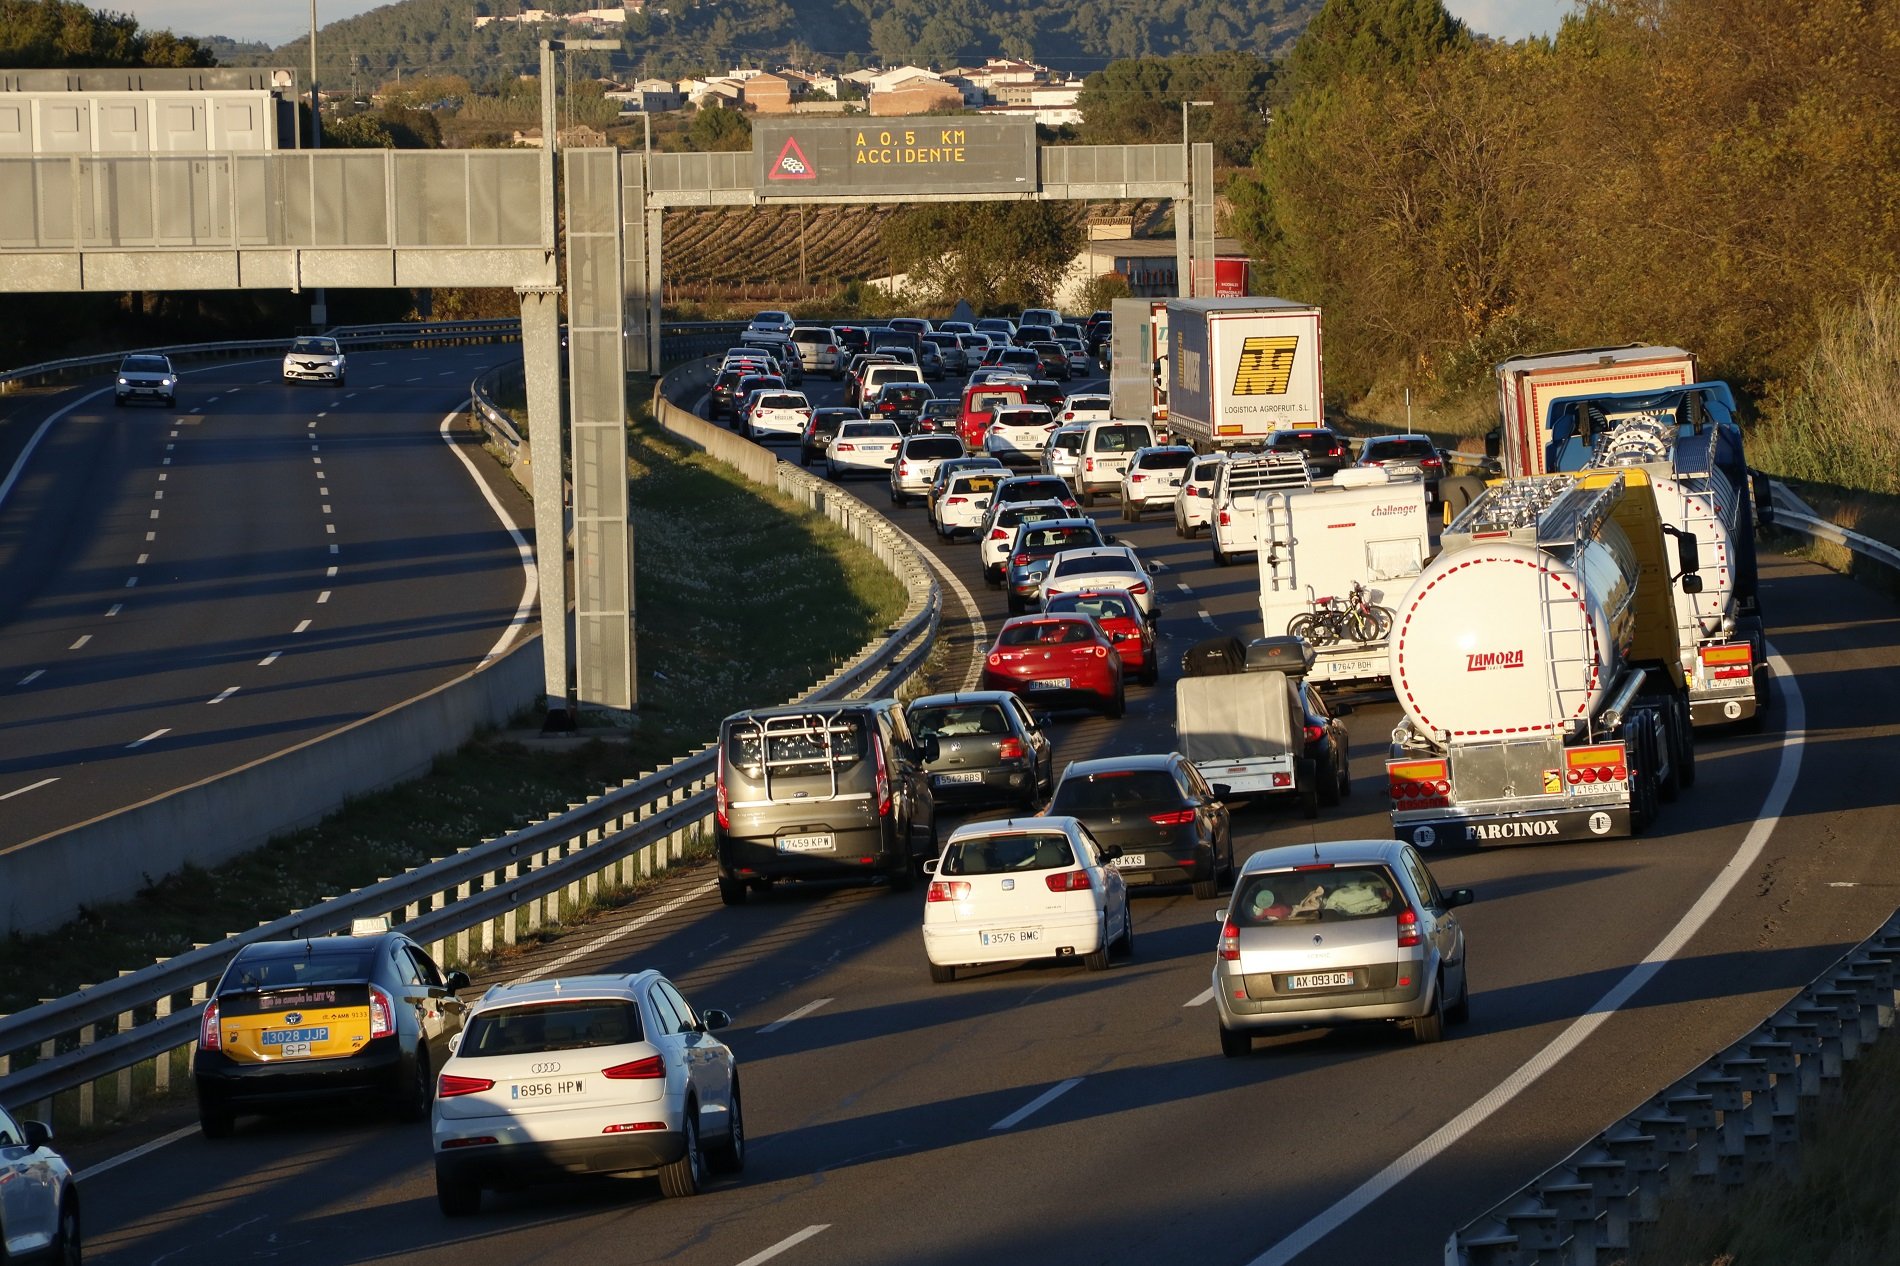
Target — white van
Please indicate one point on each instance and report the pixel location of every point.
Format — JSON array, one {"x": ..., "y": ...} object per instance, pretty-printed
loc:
[
  {"x": 1235, "y": 515},
  {"x": 1106, "y": 448},
  {"x": 876, "y": 376}
]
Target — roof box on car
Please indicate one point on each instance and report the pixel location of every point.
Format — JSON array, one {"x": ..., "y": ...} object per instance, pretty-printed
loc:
[{"x": 1289, "y": 655}]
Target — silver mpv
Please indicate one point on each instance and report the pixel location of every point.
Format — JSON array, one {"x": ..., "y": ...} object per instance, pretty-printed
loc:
[
  {"x": 822, "y": 791},
  {"x": 1341, "y": 932}
]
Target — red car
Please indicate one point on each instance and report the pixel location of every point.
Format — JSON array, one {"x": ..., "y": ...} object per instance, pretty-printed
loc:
[
  {"x": 1057, "y": 657},
  {"x": 1121, "y": 619}
]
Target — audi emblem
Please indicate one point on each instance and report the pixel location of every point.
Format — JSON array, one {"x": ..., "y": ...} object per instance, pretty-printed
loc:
[{"x": 551, "y": 1067}]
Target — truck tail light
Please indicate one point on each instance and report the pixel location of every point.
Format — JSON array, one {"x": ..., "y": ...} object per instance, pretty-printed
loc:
[
  {"x": 1068, "y": 881},
  {"x": 1727, "y": 661},
  {"x": 1230, "y": 942},
  {"x": 208, "y": 1038},
  {"x": 1408, "y": 928},
  {"x": 1418, "y": 784}
]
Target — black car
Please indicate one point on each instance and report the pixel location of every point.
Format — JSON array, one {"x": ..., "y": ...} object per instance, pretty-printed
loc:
[
  {"x": 328, "y": 1018},
  {"x": 1100, "y": 337},
  {"x": 719, "y": 400},
  {"x": 1170, "y": 825},
  {"x": 852, "y": 339},
  {"x": 1327, "y": 452},
  {"x": 1326, "y": 743},
  {"x": 940, "y": 413},
  {"x": 1043, "y": 391},
  {"x": 1054, "y": 358},
  {"x": 821, "y": 430},
  {"x": 899, "y": 402},
  {"x": 990, "y": 751}
]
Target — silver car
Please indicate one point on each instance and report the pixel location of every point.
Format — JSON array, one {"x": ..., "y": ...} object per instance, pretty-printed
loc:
[
  {"x": 916, "y": 466},
  {"x": 1341, "y": 932},
  {"x": 819, "y": 351},
  {"x": 146, "y": 376},
  {"x": 39, "y": 1199}
]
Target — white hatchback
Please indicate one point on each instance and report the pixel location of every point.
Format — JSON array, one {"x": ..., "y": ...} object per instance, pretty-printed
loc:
[
  {"x": 967, "y": 496},
  {"x": 782, "y": 413},
  {"x": 1020, "y": 888},
  {"x": 1102, "y": 567},
  {"x": 916, "y": 466},
  {"x": 585, "y": 1075},
  {"x": 1083, "y": 407},
  {"x": 316, "y": 358},
  {"x": 1194, "y": 499},
  {"x": 1152, "y": 477},
  {"x": 863, "y": 448},
  {"x": 1018, "y": 432}
]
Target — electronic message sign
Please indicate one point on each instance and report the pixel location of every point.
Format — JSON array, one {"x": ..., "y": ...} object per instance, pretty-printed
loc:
[{"x": 867, "y": 154}]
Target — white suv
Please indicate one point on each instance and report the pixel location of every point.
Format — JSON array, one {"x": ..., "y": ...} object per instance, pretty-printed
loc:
[
  {"x": 1152, "y": 478},
  {"x": 1106, "y": 448},
  {"x": 315, "y": 359},
  {"x": 585, "y": 1075}
]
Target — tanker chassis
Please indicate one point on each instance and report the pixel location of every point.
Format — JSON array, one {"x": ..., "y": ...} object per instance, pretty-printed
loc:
[{"x": 1536, "y": 661}]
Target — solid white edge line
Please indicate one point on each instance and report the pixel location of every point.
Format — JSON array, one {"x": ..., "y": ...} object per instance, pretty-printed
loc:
[
  {"x": 32, "y": 786},
  {"x": 982, "y": 630},
  {"x": 691, "y": 894},
  {"x": 26, "y": 454},
  {"x": 531, "y": 577},
  {"x": 143, "y": 1149},
  {"x": 1041, "y": 1101},
  {"x": 1200, "y": 999},
  {"x": 799, "y": 1014},
  {"x": 790, "y": 1241},
  {"x": 1580, "y": 1029}
]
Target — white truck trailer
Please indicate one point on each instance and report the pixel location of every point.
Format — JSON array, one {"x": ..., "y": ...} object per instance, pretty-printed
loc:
[
  {"x": 1137, "y": 367},
  {"x": 1240, "y": 369},
  {"x": 1317, "y": 542},
  {"x": 1536, "y": 662},
  {"x": 1529, "y": 385}
]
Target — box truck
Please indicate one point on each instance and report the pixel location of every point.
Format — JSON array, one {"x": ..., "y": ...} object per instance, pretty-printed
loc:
[
  {"x": 1137, "y": 369},
  {"x": 1240, "y": 369}
]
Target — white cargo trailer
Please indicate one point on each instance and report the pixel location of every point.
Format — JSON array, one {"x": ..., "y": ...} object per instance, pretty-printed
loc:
[
  {"x": 1316, "y": 543},
  {"x": 1240, "y": 369},
  {"x": 1529, "y": 385}
]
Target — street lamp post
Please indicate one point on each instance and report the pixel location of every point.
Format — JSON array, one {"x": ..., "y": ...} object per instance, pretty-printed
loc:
[
  {"x": 319, "y": 309},
  {"x": 1184, "y": 221}
]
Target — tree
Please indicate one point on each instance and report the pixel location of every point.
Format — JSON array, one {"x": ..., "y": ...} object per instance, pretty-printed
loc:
[
  {"x": 997, "y": 255},
  {"x": 1372, "y": 37},
  {"x": 1138, "y": 102},
  {"x": 57, "y": 33},
  {"x": 716, "y": 128}
]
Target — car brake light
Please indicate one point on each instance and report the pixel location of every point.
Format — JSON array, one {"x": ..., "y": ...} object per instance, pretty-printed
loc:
[
  {"x": 949, "y": 890},
  {"x": 883, "y": 785},
  {"x": 1088, "y": 463},
  {"x": 1010, "y": 749},
  {"x": 1230, "y": 942},
  {"x": 1140, "y": 586},
  {"x": 1408, "y": 927},
  {"x": 1069, "y": 881},
  {"x": 1176, "y": 817},
  {"x": 719, "y": 792},
  {"x": 208, "y": 1028},
  {"x": 955, "y": 501},
  {"x": 1225, "y": 520},
  {"x": 449, "y": 1086},
  {"x": 846, "y": 448},
  {"x": 639, "y": 1070},
  {"x": 1019, "y": 560},
  {"x": 997, "y": 534},
  {"x": 382, "y": 1013},
  {"x": 1314, "y": 733}
]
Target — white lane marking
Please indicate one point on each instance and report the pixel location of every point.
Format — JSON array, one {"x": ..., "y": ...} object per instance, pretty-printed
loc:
[
  {"x": 1741, "y": 863},
  {"x": 224, "y": 694},
  {"x": 38, "y": 434},
  {"x": 530, "y": 574},
  {"x": 148, "y": 738},
  {"x": 1041, "y": 1101},
  {"x": 330, "y": 528},
  {"x": 980, "y": 631},
  {"x": 333, "y": 549},
  {"x": 174, "y": 435},
  {"x": 31, "y": 677},
  {"x": 132, "y": 583},
  {"x": 162, "y": 477},
  {"x": 115, "y": 609},
  {"x": 790, "y": 1241},
  {"x": 165, "y": 461},
  {"x": 799, "y": 1014},
  {"x": 83, "y": 639},
  {"x": 324, "y": 414},
  {"x": 600, "y": 942},
  {"x": 151, "y": 536},
  {"x": 324, "y": 491},
  {"x": 269, "y": 659},
  {"x": 32, "y": 786},
  {"x": 1200, "y": 999},
  {"x": 330, "y": 571},
  {"x": 323, "y": 597},
  {"x": 301, "y": 626},
  {"x": 1208, "y": 618},
  {"x": 326, "y": 507},
  {"x": 170, "y": 447},
  {"x": 159, "y": 495},
  {"x": 142, "y": 559},
  {"x": 143, "y": 1149},
  {"x": 313, "y": 448},
  {"x": 154, "y": 514},
  {"x": 318, "y": 461},
  {"x": 1183, "y": 588}
]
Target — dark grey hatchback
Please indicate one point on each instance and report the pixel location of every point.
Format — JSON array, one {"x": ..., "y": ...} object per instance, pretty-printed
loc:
[
  {"x": 990, "y": 751},
  {"x": 1170, "y": 825}
]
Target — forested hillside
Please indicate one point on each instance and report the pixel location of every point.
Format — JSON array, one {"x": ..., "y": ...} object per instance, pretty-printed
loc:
[{"x": 714, "y": 35}]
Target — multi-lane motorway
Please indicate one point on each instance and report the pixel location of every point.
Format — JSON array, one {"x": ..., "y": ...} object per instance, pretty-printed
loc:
[
  {"x": 183, "y": 590},
  {"x": 1046, "y": 1113}
]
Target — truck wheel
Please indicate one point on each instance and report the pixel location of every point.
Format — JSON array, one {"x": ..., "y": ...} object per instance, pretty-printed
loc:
[
  {"x": 1642, "y": 781},
  {"x": 1307, "y": 775},
  {"x": 1686, "y": 751},
  {"x": 1670, "y": 785}
]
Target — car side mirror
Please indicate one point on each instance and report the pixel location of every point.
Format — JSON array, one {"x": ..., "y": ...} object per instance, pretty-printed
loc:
[
  {"x": 1040, "y": 720},
  {"x": 1221, "y": 790},
  {"x": 458, "y": 980},
  {"x": 1111, "y": 851},
  {"x": 1220, "y": 917},
  {"x": 1108, "y": 538},
  {"x": 1459, "y": 897},
  {"x": 38, "y": 1133},
  {"x": 930, "y": 867},
  {"x": 713, "y": 1018}
]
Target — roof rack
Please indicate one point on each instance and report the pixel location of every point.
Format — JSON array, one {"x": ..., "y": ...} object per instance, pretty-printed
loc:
[{"x": 1544, "y": 510}]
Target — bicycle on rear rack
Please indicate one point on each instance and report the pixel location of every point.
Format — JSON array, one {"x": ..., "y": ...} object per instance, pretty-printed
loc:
[{"x": 1354, "y": 618}]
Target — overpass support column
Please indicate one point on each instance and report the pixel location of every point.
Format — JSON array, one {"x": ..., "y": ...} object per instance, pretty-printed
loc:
[{"x": 541, "y": 361}]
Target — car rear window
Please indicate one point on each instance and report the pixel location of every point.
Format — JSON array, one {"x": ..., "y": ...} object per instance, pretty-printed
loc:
[
  {"x": 1115, "y": 790},
  {"x": 808, "y": 335},
  {"x": 795, "y": 744},
  {"x": 999, "y": 854},
  {"x": 783, "y": 402},
  {"x": 551, "y": 1026},
  {"x": 1038, "y": 490},
  {"x": 868, "y": 430},
  {"x": 935, "y": 446},
  {"x": 1121, "y": 439},
  {"x": 1328, "y": 895},
  {"x": 1400, "y": 448},
  {"x": 974, "y": 483},
  {"x": 1306, "y": 439},
  {"x": 1023, "y": 417},
  {"x": 1167, "y": 461},
  {"x": 955, "y": 720},
  {"x": 1046, "y": 633},
  {"x": 1089, "y": 563},
  {"x": 316, "y": 960},
  {"x": 1068, "y": 442},
  {"x": 908, "y": 391},
  {"x": 1058, "y": 538},
  {"x": 1101, "y": 606}
]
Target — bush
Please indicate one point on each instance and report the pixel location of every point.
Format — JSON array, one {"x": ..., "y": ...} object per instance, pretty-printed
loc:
[{"x": 1834, "y": 424}]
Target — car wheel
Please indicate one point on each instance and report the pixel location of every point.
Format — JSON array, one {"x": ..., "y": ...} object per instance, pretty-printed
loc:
[
  {"x": 904, "y": 878},
  {"x": 1180, "y": 528},
  {"x": 1221, "y": 557},
  {"x": 685, "y": 1176},
  {"x": 1460, "y": 1011},
  {"x": 941, "y": 975},
  {"x": 1125, "y": 944},
  {"x": 1345, "y": 780},
  {"x": 118, "y": 402},
  {"x": 421, "y": 1091},
  {"x": 1118, "y": 705},
  {"x": 1150, "y": 672},
  {"x": 898, "y": 498},
  {"x": 1016, "y": 605},
  {"x": 1307, "y": 776},
  {"x": 1208, "y": 889},
  {"x": 1131, "y": 513},
  {"x": 1430, "y": 1027},
  {"x": 992, "y": 579},
  {"x": 171, "y": 402},
  {"x": 732, "y": 892},
  {"x": 342, "y": 380},
  {"x": 1233, "y": 1045},
  {"x": 66, "y": 1247},
  {"x": 1097, "y": 959},
  {"x": 1326, "y": 781},
  {"x": 215, "y": 1122},
  {"x": 729, "y": 1156},
  {"x": 456, "y": 1197}
]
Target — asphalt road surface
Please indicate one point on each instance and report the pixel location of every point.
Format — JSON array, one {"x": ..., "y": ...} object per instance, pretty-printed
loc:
[{"x": 1044, "y": 1113}]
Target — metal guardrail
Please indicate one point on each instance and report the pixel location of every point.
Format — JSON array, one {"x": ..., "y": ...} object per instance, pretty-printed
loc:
[{"x": 472, "y": 903}]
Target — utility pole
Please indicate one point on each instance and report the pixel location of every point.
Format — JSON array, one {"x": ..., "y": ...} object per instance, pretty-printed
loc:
[{"x": 319, "y": 309}]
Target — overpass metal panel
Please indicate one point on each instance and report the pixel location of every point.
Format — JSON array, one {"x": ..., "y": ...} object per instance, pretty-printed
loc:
[
  {"x": 1112, "y": 171},
  {"x": 702, "y": 173}
]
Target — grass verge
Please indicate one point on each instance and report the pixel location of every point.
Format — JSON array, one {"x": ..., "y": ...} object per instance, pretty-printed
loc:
[
  {"x": 1834, "y": 1208},
  {"x": 744, "y": 598}
]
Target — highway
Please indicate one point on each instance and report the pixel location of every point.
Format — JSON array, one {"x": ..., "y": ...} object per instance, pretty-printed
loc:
[
  {"x": 1050, "y": 1114},
  {"x": 185, "y": 590}
]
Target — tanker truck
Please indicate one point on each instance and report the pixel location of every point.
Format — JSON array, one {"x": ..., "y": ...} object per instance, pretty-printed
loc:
[
  {"x": 1535, "y": 659},
  {"x": 1687, "y": 440}
]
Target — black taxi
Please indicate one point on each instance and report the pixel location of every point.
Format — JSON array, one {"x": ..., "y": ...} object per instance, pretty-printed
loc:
[{"x": 293, "y": 1022}]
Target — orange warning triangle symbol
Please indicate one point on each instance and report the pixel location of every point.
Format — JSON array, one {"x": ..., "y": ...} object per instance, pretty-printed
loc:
[{"x": 792, "y": 163}]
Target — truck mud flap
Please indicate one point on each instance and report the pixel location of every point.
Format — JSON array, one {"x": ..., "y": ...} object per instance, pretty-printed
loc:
[{"x": 1543, "y": 828}]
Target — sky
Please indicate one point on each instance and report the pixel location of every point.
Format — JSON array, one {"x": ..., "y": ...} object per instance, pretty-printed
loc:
[{"x": 278, "y": 22}]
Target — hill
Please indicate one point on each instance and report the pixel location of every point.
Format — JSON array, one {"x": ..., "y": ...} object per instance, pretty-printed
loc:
[{"x": 680, "y": 37}]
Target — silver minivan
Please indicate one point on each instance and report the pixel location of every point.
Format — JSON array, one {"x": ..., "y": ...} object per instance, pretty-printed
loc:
[
  {"x": 822, "y": 791},
  {"x": 819, "y": 351}
]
